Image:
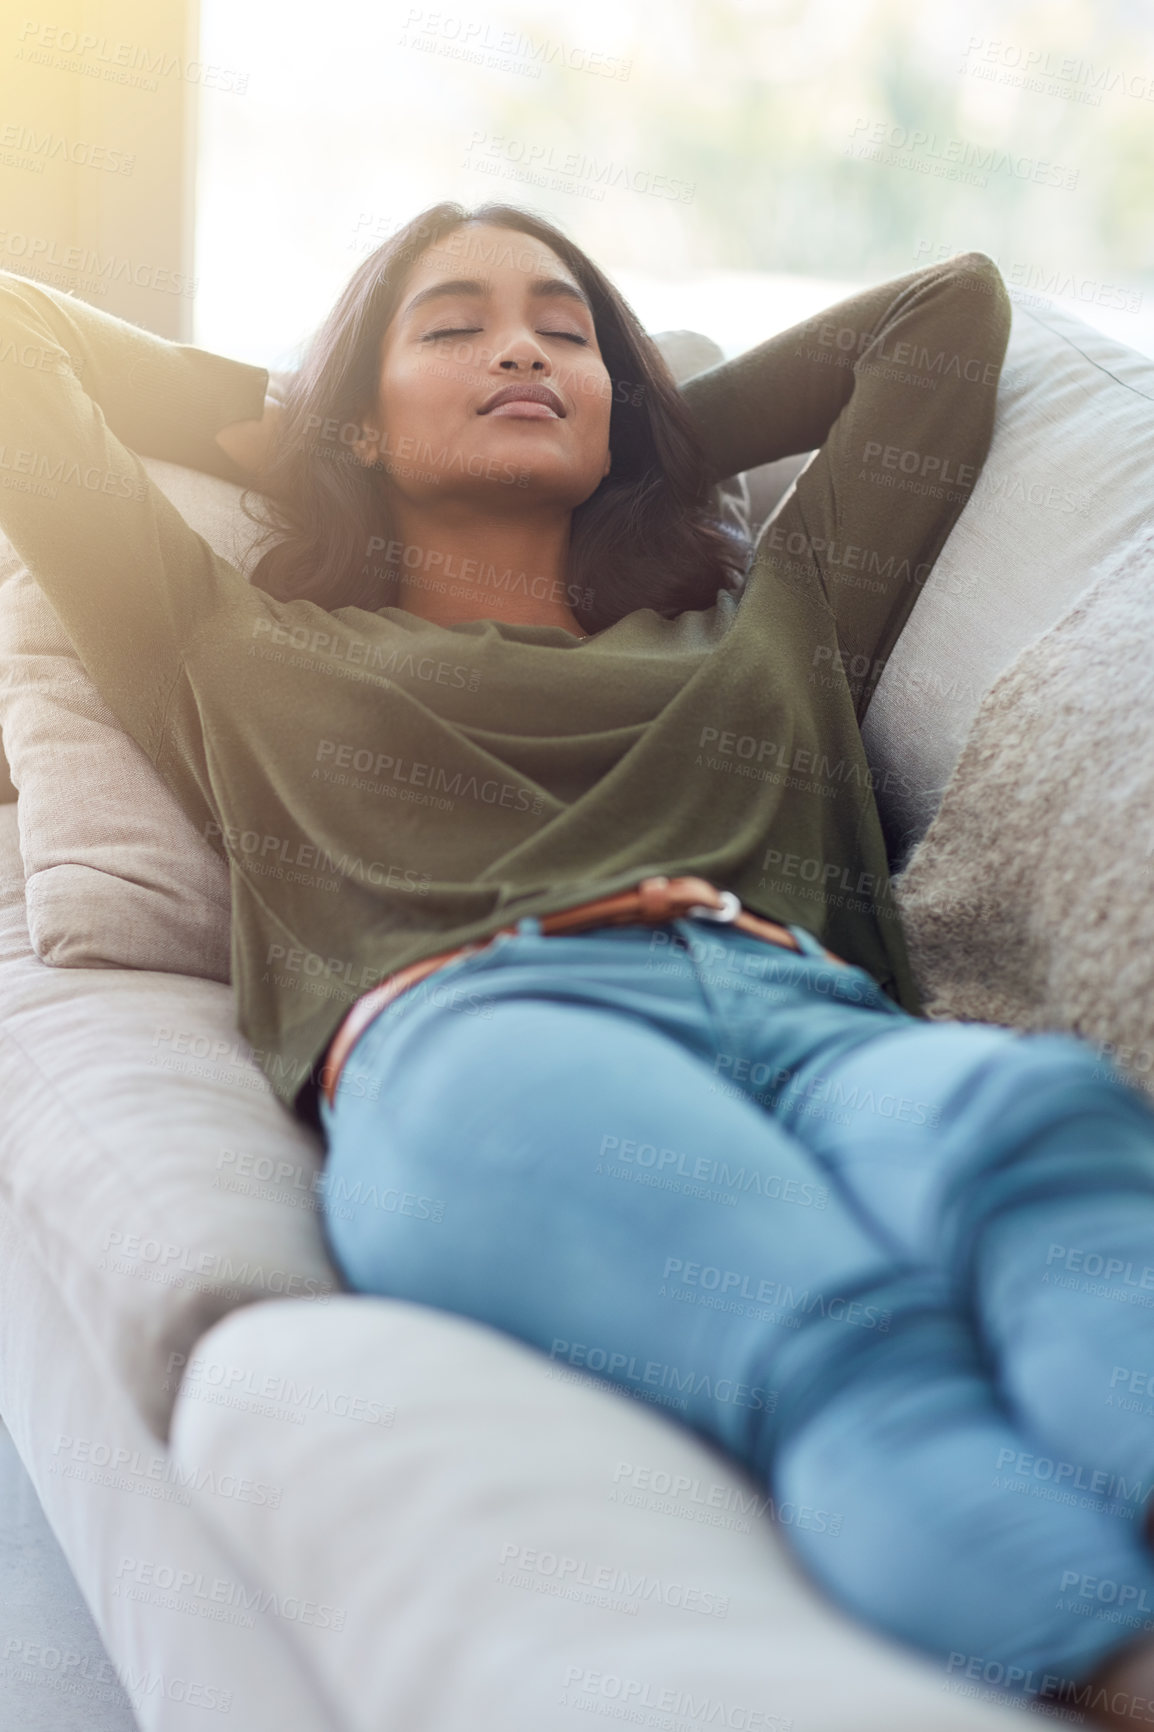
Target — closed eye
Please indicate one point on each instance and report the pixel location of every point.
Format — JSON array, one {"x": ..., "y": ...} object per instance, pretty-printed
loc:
[{"x": 570, "y": 335}]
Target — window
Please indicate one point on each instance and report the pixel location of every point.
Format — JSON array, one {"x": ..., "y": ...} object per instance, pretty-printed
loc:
[{"x": 733, "y": 165}]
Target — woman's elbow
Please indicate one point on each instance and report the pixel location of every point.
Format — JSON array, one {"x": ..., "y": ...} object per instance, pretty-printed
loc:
[{"x": 976, "y": 273}]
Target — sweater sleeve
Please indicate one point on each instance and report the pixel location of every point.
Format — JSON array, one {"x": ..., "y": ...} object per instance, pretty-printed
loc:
[
  {"x": 784, "y": 395},
  {"x": 82, "y": 393},
  {"x": 895, "y": 391}
]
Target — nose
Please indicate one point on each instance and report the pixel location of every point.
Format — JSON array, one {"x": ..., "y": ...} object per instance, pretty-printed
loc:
[{"x": 522, "y": 350}]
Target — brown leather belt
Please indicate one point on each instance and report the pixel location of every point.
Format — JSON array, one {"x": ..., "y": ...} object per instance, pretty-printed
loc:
[{"x": 650, "y": 903}]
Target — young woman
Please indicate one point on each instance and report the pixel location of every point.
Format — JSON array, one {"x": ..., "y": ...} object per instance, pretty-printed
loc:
[{"x": 569, "y": 911}]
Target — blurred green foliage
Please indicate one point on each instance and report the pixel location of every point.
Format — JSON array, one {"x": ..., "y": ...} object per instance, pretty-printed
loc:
[
  {"x": 756, "y": 109},
  {"x": 756, "y": 104}
]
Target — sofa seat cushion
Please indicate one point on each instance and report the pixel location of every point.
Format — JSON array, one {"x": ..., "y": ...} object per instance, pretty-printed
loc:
[
  {"x": 143, "y": 1152},
  {"x": 514, "y": 1546}
]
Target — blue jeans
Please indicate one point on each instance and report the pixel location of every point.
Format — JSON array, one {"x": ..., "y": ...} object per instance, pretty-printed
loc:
[{"x": 901, "y": 1270}]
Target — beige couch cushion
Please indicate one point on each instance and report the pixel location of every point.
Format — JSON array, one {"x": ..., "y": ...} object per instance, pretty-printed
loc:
[
  {"x": 145, "y": 1156},
  {"x": 1068, "y": 480}
]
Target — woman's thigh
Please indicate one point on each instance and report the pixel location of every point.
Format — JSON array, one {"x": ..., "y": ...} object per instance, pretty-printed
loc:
[
  {"x": 929, "y": 1128},
  {"x": 568, "y": 1171}
]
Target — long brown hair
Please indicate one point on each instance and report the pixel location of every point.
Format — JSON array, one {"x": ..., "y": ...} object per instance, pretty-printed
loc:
[{"x": 646, "y": 537}]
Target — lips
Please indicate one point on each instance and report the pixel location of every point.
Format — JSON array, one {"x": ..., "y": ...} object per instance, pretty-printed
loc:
[{"x": 541, "y": 394}]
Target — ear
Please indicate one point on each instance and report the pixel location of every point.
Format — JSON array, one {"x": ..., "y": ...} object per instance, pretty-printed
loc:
[{"x": 367, "y": 447}]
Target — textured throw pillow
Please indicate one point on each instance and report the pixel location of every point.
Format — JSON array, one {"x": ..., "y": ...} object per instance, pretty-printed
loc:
[
  {"x": 116, "y": 875},
  {"x": 1030, "y": 900}
]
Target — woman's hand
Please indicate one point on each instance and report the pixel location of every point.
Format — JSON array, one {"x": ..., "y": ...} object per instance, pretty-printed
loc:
[{"x": 248, "y": 443}]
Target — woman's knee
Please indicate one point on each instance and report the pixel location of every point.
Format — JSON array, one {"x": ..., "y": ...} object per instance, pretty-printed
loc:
[
  {"x": 1043, "y": 1067},
  {"x": 1063, "y": 1073},
  {"x": 1043, "y": 1118}
]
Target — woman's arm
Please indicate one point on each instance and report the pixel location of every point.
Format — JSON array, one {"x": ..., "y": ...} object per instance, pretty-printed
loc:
[
  {"x": 81, "y": 392},
  {"x": 250, "y": 442},
  {"x": 784, "y": 395},
  {"x": 159, "y": 398},
  {"x": 895, "y": 391}
]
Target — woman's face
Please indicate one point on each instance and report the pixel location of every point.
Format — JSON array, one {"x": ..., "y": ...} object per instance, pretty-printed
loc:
[{"x": 483, "y": 310}]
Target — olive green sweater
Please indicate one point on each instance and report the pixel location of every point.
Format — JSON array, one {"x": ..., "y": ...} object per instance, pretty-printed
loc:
[{"x": 383, "y": 787}]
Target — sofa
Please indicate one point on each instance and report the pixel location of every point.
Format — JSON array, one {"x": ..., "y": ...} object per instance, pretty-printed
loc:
[{"x": 293, "y": 1507}]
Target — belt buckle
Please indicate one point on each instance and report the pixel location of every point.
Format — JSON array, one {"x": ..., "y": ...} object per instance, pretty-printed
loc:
[{"x": 725, "y": 915}]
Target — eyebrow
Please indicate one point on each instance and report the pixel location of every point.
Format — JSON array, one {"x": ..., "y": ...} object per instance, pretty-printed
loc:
[{"x": 541, "y": 288}]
